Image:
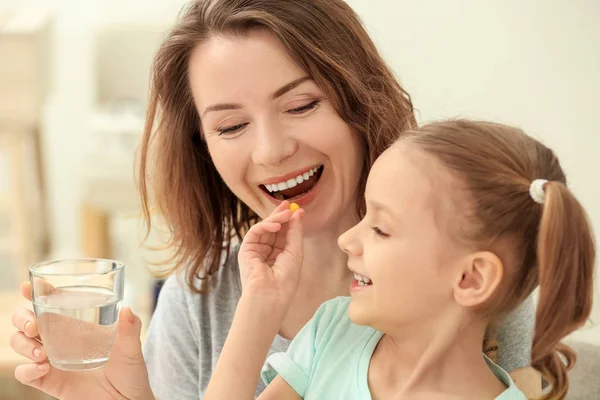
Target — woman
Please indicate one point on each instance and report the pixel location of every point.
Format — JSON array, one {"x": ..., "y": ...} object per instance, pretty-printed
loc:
[{"x": 253, "y": 102}]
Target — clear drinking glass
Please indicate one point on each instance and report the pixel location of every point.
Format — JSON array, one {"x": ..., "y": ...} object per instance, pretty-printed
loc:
[{"x": 77, "y": 303}]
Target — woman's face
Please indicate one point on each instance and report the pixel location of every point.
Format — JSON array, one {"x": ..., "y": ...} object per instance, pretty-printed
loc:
[{"x": 271, "y": 131}]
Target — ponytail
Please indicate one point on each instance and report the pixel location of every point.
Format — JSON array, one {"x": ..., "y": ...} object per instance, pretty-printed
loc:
[{"x": 565, "y": 253}]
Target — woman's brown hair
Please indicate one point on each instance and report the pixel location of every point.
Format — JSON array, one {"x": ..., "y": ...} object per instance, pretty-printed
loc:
[
  {"x": 177, "y": 177},
  {"x": 552, "y": 242}
]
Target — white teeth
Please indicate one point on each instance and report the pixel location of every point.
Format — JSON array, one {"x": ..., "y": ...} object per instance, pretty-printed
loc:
[
  {"x": 362, "y": 280},
  {"x": 290, "y": 183}
]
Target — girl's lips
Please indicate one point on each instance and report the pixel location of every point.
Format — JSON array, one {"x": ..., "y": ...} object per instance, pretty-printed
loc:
[{"x": 355, "y": 287}]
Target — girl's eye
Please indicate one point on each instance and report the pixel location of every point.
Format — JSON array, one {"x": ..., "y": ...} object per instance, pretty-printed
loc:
[
  {"x": 379, "y": 232},
  {"x": 231, "y": 129},
  {"x": 305, "y": 108}
]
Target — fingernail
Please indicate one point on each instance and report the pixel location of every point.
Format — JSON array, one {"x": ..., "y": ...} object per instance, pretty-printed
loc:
[
  {"x": 129, "y": 314},
  {"x": 36, "y": 352},
  {"x": 26, "y": 326}
]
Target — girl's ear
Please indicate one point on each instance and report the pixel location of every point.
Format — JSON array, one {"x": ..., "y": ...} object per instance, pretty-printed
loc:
[{"x": 480, "y": 276}]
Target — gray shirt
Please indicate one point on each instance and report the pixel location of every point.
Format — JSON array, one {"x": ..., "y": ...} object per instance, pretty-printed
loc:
[{"x": 188, "y": 330}]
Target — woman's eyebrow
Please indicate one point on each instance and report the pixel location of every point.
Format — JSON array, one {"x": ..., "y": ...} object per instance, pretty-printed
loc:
[
  {"x": 278, "y": 93},
  {"x": 289, "y": 86}
]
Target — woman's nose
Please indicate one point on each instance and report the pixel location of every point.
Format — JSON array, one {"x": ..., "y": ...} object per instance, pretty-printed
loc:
[{"x": 273, "y": 145}]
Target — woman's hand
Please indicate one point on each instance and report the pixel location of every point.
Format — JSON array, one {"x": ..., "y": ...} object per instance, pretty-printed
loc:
[
  {"x": 270, "y": 256},
  {"x": 123, "y": 377}
]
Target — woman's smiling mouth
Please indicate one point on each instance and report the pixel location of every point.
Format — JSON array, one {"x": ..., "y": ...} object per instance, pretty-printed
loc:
[{"x": 294, "y": 187}]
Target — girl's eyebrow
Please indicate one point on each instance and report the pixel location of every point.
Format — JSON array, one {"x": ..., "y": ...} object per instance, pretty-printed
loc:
[{"x": 380, "y": 207}]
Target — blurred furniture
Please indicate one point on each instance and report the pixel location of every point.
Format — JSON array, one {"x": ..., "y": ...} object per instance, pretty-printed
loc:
[
  {"x": 108, "y": 187},
  {"x": 109, "y": 183},
  {"x": 123, "y": 54},
  {"x": 24, "y": 69},
  {"x": 24, "y": 34}
]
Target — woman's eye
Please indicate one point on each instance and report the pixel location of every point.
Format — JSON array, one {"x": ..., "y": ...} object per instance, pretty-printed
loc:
[
  {"x": 305, "y": 108},
  {"x": 379, "y": 232},
  {"x": 231, "y": 129}
]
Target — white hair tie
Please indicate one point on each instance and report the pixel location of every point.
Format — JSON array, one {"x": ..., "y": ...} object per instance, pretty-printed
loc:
[{"x": 536, "y": 190}]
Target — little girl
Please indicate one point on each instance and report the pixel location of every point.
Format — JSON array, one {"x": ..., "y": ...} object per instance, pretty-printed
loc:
[{"x": 464, "y": 220}]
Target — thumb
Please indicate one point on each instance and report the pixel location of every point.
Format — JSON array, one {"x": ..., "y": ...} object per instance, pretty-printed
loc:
[
  {"x": 126, "y": 369},
  {"x": 128, "y": 344}
]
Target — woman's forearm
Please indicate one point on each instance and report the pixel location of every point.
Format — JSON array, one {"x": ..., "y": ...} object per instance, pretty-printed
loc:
[{"x": 254, "y": 327}]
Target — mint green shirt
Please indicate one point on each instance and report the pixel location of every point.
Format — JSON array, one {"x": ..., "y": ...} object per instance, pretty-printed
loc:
[{"x": 330, "y": 356}]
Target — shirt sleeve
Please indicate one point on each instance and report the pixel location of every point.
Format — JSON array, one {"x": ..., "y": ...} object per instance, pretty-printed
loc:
[
  {"x": 295, "y": 366},
  {"x": 515, "y": 337},
  {"x": 170, "y": 349}
]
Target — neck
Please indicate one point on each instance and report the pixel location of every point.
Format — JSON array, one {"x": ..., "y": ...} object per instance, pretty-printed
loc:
[{"x": 441, "y": 357}]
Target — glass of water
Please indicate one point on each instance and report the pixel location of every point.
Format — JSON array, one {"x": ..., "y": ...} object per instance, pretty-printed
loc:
[{"x": 76, "y": 304}]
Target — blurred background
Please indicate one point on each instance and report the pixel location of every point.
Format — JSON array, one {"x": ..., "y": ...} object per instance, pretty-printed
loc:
[{"x": 73, "y": 91}]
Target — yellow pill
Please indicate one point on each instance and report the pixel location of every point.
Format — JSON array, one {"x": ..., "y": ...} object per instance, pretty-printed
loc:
[{"x": 294, "y": 207}]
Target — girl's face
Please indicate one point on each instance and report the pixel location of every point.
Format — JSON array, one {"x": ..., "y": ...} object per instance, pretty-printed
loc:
[
  {"x": 403, "y": 245},
  {"x": 271, "y": 131}
]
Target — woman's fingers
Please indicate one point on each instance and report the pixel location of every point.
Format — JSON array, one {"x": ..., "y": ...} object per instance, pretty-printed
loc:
[
  {"x": 27, "y": 347},
  {"x": 26, "y": 290},
  {"x": 28, "y": 374},
  {"x": 25, "y": 344},
  {"x": 24, "y": 320}
]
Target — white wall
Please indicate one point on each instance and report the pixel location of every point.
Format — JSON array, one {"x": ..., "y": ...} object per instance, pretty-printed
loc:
[{"x": 533, "y": 63}]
